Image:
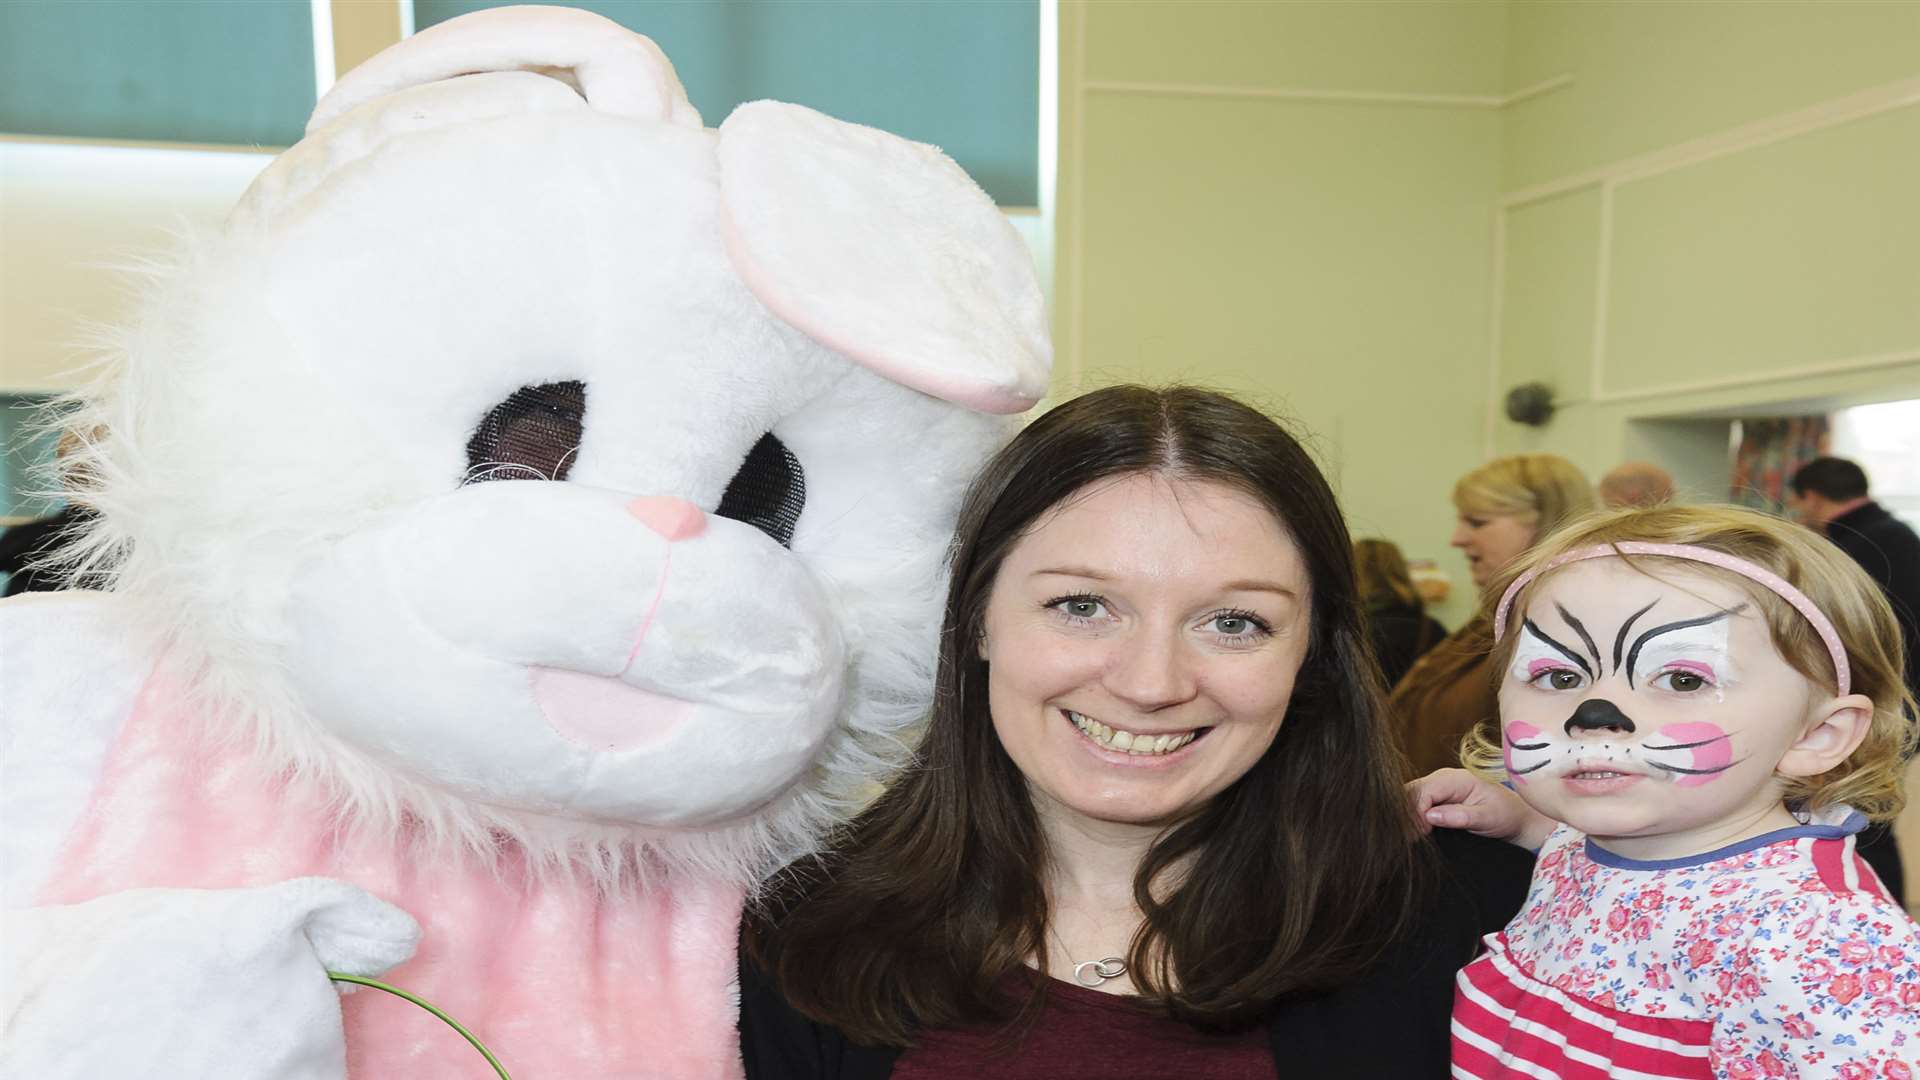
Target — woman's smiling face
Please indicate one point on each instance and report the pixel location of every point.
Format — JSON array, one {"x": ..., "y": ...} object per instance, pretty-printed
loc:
[{"x": 1142, "y": 642}]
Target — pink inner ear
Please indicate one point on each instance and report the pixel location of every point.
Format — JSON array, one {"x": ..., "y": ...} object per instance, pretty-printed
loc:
[{"x": 884, "y": 251}]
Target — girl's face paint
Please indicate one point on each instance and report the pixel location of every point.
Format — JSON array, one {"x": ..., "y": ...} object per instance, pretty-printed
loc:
[
  {"x": 1704, "y": 752},
  {"x": 1687, "y": 708},
  {"x": 1522, "y": 751}
]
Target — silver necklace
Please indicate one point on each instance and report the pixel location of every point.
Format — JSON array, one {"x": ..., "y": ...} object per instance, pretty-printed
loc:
[{"x": 1092, "y": 973}]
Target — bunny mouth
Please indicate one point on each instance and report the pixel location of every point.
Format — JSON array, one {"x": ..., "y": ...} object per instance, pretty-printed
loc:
[{"x": 604, "y": 714}]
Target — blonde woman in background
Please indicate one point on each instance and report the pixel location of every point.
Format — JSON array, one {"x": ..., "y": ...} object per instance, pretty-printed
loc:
[
  {"x": 1504, "y": 507},
  {"x": 1397, "y": 621}
]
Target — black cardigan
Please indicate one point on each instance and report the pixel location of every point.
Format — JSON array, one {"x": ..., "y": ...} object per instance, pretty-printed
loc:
[{"x": 1391, "y": 1025}]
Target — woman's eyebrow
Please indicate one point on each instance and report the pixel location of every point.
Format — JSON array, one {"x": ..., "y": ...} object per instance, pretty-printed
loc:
[
  {"x": 1071, "y": 571},
  {"x": 1260, "y": 586},
  {"x": 1633, "y": 654},
  {"x": 1533, "y": 628}
]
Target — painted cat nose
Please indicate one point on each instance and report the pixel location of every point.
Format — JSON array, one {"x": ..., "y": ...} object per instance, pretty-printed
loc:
[
  {"x": 675, "y": 519},
  {"x": 1599, "y": 714}
]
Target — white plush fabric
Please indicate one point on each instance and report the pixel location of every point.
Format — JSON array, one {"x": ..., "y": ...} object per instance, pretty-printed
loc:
[
  {"x": 526, "y": 673},
  {"x": 69, "y": 671},
  {"x": 185, "y": 984}
]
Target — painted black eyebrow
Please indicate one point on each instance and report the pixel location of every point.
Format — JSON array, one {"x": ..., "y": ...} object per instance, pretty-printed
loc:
[
  {"x": 1531, "y": 628},
  {"x": 1620, "y": 639},
  {"x": 1585, "y": 638},
  {"x": 1633, "y": 654}
]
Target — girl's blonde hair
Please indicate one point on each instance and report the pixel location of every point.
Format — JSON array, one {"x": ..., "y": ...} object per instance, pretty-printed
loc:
[
  {"x": 1870, "y": 778},
  {"x": 1544, "y": 490},
  {"x": 1383, "y": 574}
]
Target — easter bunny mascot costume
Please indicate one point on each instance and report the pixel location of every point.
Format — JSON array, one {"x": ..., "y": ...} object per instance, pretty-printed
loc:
[{"x": 525, "y": 525}]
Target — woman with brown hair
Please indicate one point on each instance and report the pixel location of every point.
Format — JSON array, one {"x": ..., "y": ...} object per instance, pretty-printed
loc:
[
  {"x": 1504, "y": 507},
  {"x": 1397, "y": 619},
  {"x": 1156, "y": 825}
]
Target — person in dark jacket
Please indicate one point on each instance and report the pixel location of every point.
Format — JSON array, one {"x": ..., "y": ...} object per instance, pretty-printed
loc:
[
  {"x": 1830, "y": 496},
  {"x": 1156, "y": 826},
  {"x": 1397, "y": 619}
]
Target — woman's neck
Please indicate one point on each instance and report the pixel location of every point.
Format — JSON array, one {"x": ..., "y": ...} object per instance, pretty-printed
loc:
[
  {"x": 1091, "y": 866},
  {"x": 1091, "y": 861}
]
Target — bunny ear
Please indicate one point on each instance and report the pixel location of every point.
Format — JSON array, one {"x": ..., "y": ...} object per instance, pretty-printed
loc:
[
  {"x": 885, "y": 251},
  {"x": 615, "y": 69}
]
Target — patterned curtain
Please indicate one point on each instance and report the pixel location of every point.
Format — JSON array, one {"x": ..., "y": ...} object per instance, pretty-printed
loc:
[{"x": 1771, "y": 450}]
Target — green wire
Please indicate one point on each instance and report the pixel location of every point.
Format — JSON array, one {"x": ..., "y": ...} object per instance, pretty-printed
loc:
[{"x": 450, "y": 1021}]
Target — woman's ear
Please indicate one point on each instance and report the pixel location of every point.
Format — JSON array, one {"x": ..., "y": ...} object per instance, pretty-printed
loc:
[{"x": 1831, "y": 733}]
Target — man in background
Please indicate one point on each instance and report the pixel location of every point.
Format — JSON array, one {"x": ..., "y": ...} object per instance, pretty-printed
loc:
[
  {"x": 1636, "y": 484},
  {"x": 1830, "y": 496}
]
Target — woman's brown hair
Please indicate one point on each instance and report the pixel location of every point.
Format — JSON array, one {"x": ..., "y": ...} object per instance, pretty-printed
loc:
[{"x": 1289, "y": 881}]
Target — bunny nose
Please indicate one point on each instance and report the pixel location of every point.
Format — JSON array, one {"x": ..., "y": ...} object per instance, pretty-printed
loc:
[{"x": 675, "y": 519}]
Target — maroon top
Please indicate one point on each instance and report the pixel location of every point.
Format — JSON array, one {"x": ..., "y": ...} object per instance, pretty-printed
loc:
[{"x": 1084, "y": 1032}]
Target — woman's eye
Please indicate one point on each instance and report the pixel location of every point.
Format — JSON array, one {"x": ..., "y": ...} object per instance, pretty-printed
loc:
[
  {"x": 1238, "y": 624},
  {"x": 1684, "y": 682},
  {"x": 1079, "y": 607}
]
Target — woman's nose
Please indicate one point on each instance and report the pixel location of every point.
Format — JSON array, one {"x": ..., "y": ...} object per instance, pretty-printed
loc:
[
  {"x": 675, "y": 519},
  {"x": 1151, "y": 671},
  {"x": 1462, "y": 536}
]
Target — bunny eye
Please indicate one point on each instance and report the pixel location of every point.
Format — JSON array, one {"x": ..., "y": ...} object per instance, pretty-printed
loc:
[
  {"x": 768, "y": 492},
  {"x": 532, "y": 435}
]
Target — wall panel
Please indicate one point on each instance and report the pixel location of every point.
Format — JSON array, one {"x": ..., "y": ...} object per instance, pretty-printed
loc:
[{"x": 1782, "y": 257}]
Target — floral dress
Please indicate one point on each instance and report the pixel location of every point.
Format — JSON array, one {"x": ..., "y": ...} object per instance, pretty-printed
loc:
[{"x": 1779, "y": 956}]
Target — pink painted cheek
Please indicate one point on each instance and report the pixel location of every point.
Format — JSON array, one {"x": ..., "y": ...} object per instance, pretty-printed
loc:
[
  {"x": 1716, "y": 753},
  {"x": 1517, "y": 731}
]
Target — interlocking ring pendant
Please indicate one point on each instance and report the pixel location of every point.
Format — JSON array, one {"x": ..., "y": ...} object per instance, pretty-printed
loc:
[{"x": 1094, "y": 972}]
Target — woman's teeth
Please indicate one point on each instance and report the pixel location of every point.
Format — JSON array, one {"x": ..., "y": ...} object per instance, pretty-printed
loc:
[
  {"x": 1596, "y": 774},
  {"x": 1127, "y": 741}
]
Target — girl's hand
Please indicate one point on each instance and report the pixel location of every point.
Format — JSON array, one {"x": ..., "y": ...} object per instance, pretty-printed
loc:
[{"x": 1457, "y": 799}]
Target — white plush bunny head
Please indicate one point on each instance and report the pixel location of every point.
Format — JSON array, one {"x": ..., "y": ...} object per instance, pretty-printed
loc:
[{"x": 527, "y": 459}]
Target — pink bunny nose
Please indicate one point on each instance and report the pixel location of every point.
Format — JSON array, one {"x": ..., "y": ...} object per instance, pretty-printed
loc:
[{"x": 675, "y": 519}]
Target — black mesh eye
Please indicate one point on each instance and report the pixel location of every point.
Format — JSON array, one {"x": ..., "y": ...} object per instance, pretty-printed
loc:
[
  {"x": 532, "y": 435},
  {"x": 768, "y": 492}
]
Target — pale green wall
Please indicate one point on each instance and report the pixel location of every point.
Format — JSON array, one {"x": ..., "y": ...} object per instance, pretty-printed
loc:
[
  {"x": 1327, "y": 256},
  {"x": 1719, "y": 216},
  {"x": 1711, "y": 210}
]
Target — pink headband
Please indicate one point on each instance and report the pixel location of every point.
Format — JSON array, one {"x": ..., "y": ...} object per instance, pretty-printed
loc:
[{"x": 1720, "y": 559}]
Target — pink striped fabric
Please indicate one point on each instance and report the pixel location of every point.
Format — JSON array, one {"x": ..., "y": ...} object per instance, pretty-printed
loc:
[{"x": 1506, "y": 1023}]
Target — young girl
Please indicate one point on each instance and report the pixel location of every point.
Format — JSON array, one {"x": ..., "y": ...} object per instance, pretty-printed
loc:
[{"x": 1708, "y": 702}]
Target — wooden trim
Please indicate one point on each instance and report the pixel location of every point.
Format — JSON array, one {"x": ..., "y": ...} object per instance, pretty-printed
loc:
[
  {"x": 1827, "y": 114},
  {"x": 1312, "y": 96},
  {"x": 1875, "y": 362}
]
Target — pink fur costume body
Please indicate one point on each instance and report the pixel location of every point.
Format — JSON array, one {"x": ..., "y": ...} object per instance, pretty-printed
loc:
[{"x": 557, "y": 978}]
